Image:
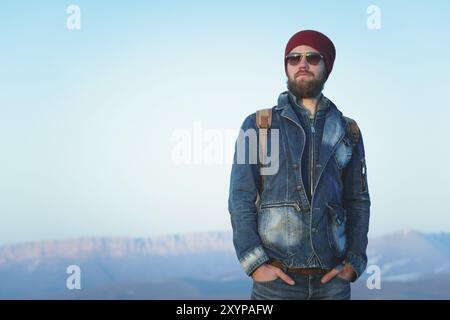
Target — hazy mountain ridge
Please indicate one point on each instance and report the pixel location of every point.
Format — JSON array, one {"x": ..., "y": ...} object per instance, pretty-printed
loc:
[
  {"x": 408, "y": 255},
  {"x": 201, "y": 265},
  {"x": 118, "y": 247}
]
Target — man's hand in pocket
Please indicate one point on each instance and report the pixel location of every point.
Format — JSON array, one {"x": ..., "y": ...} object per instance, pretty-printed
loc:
[{"x": 267, "y": 272}]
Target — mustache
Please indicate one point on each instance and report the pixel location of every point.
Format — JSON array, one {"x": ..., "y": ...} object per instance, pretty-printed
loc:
[{"x": 303, "y": 72}]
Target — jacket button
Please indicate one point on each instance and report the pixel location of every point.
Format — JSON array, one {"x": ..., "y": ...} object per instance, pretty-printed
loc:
[
  {"x": 314, "y": 230},
  {"x": 295, "y": 166},
  {"x": 299, "y": 188}
]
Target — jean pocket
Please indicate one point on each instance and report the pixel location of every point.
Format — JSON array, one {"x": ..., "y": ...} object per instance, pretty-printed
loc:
[
  {"x": 266, "y": 281},
  {"x": 338, "y": 277}
]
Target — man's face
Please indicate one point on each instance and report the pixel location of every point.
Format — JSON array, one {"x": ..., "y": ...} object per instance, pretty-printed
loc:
[{"x": 306, "y": 80}]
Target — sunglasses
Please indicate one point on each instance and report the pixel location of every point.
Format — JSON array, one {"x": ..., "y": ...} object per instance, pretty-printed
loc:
[{"x": 313, "y": 58}]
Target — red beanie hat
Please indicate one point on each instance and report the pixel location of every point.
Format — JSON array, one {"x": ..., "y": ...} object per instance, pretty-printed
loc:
[{"x": 316, "y": 40}]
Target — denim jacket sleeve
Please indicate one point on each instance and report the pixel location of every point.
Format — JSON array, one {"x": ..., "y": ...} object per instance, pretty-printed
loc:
[
  {"x": 241, "y": 202},
  {"x": 357, "y": 204}
]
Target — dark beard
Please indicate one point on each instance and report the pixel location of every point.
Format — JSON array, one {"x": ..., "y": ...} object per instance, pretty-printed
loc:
[{"x": 306, "y": 89}]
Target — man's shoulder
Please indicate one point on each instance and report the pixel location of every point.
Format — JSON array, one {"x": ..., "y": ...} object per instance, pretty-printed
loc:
[
  {"x": 283, "y": 100},
  {"x": 349, "y": 120},
  {"x": 252, "y": 119},
  {"x": 350, "y": 124},
  {"x": 352, "y": 128}
]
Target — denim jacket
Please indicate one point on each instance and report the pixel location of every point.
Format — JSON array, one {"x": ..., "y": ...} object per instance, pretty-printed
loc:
[{"x": 273, "y": 217}]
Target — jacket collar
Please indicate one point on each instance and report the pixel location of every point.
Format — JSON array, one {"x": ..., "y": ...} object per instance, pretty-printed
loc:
[
  {"x": 286, "y": 99},
  {"x": 286, "y": 103}
]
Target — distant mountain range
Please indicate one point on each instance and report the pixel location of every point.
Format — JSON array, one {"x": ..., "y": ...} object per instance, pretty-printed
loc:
[{"x": 202, "y": 266}]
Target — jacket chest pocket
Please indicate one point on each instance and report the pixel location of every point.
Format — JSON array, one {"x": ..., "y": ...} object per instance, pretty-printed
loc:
[{"x": 343, "y": 153}]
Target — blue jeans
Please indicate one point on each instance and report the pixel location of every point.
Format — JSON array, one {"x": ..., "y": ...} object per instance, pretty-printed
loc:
[{"x": 305, "y": 288}]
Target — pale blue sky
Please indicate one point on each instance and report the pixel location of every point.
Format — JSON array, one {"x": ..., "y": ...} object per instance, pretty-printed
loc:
[{"x": 87, "y": 115}]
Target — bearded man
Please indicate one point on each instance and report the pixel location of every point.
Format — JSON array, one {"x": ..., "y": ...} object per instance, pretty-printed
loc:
[{"x": 301, "y": 232}]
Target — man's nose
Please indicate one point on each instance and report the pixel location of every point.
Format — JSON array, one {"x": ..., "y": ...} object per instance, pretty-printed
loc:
[{"x": 303, "y": 64}]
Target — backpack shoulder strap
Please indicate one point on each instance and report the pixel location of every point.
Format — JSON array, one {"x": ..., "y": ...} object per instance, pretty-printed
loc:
[
  {"x": 264, "y": 118},
  {"x": 263, "y": 122},
  {"x": 353, "y": 129}
]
